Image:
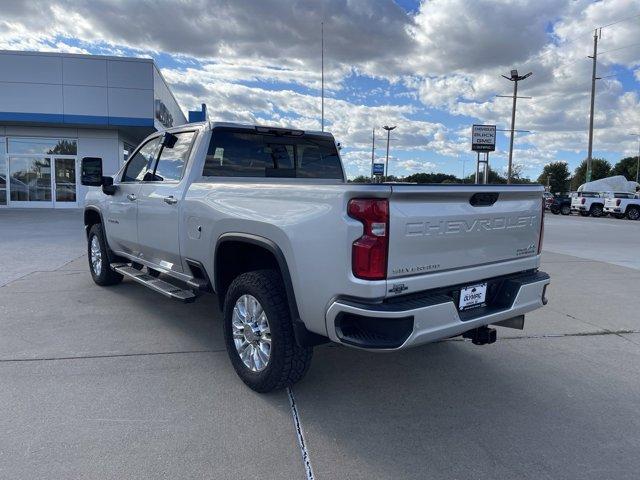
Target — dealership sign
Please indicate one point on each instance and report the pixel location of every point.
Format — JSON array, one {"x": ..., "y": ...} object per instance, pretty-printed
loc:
[
  {"x": 378, "y": 168},
  {"x": 483, "y": 138}
]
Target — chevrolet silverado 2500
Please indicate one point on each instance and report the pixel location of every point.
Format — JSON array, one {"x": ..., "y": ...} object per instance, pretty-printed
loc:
[{"x": 264, "y": 219}]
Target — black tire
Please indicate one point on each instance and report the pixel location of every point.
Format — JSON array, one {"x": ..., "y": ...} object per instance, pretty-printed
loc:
[
  {"x": 288, "y": 361},
  {"x": 565, "y": 210},
  {"x": 105, "y": 276},
  {"x": 633, "y": 213},
  {"x": 555, "y": 211},
  {"x": 584, "y": 214},
  {"x": 596, "y": 210},
  {"x": 619, "y": 216}
]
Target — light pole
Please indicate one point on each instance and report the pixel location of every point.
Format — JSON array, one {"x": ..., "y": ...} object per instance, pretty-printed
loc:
[
  {"x": 515, "y": 78},
  {"x": 373, "y": 150},
  {"x": 386, "y": 167},
  {"x": 638, "y": 164}
]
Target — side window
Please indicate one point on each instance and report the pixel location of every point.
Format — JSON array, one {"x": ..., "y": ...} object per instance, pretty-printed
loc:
[
  {"x": 137, "y": 166},
  {"x": 171, "y": 163}
]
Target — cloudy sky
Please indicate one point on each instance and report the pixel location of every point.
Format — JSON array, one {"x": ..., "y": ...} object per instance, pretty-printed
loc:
[{"x": 433, "y": 68}]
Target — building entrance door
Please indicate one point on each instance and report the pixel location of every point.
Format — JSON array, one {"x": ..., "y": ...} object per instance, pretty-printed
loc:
[
  {"x": 42, "y": 181},
  {"x": 64, "y": 183}
]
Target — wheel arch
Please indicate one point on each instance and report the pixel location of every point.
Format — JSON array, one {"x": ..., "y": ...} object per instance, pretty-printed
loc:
[
  {"x": 257, "y": 252},
  {"x": 92, "y": 216}
]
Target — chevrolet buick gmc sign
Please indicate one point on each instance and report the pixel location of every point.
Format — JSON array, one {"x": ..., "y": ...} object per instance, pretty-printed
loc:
[{"x": 483, "y": 138}]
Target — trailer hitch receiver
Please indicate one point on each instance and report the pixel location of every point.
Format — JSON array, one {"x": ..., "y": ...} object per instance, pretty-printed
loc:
[{"x": 481, "y": 335}]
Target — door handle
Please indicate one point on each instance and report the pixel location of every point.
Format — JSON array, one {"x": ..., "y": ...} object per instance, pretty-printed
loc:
[
  {"x": 171, "y": 200},
  {"x": 132, "y": 197}
]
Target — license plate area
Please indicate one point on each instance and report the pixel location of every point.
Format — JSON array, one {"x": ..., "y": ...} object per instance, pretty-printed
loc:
[{"x": 473, "y": 296}]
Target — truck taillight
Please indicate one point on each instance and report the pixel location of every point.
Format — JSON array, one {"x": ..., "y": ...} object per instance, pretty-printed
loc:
[
  {"x": 583, "y": 200},
  {"x": 618, "y": 202},
  {"x": 541, "y": 237},
  {"x": 369, "y": 252}
]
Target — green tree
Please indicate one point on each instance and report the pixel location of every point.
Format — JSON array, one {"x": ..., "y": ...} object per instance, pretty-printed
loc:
[
  {"x": 556, "y": 174},
  {"x": 431, "y": 178},
  {"x": 360, "y": 179},
  {"x": 600, "y": 168},
  {"x": 517, "y": 176},
  {"x": 627, "y": 167},
  {"x": 494, "y": 177}
]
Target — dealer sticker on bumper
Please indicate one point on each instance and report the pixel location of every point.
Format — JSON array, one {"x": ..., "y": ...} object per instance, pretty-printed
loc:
[{"x": 472, "y": 296}]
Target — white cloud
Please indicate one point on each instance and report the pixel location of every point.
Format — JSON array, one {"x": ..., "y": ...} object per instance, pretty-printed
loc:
[{"x": 449, "y": 55}]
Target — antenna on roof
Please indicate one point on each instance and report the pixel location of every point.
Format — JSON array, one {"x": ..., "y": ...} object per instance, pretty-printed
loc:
[{"x": 322, "y": 74}]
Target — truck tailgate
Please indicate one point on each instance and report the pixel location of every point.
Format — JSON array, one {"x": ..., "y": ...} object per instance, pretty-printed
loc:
[{"x": 447, "y": 228}]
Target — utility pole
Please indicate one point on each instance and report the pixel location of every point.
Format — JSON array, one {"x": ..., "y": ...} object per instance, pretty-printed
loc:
[
  {"x": 373, "y": 149},
  {"x": 322, "y": 72},
  {"x": 637, "y": 164},
  {"x": 515, "y": 78},
  {"x": 386, "y": 167},
  {"x": 593, "y": 100}
]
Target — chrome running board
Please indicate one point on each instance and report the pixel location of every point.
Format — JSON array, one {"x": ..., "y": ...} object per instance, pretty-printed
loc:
[{"x": 165, "y": 288}]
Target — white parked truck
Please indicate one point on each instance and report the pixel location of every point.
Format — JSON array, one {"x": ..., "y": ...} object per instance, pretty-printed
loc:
[
  {"x": 264, "y": 219},
  {"x": 588, "y": 203},
  {"x": 621, "y": 205}
]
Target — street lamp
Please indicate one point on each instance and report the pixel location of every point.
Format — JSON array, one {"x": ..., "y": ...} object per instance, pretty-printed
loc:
[
  {"x": 638, "y": 164},
  {"x": 515, "y": 78},
  {"x": 386, "y": 168}
]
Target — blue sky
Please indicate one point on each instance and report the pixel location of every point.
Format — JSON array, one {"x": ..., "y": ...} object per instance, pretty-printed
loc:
[{"x": 433, "y": 68}]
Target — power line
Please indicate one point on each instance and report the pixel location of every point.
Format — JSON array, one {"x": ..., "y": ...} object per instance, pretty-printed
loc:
[
  {"x": 620, "y": 21},
  {"x": 619, "y": 48}
]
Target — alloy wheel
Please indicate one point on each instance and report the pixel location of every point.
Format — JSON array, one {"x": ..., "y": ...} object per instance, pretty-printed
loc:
[
  {"x": 96, "y": 256},
  {"x": 251, "y": 333}
]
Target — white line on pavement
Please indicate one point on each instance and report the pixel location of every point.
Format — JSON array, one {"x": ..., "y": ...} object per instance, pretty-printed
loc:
[{"x": 301, "y": 441}]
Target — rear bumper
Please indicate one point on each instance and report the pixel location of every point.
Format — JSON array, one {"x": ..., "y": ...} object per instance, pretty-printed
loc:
[
  {"x": 400, "y": 323},
  {"x": 612, "y": 210},
  {"x": 580, "y": 208}
]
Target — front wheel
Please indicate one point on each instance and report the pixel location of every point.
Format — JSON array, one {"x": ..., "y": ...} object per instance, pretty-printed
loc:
[
  {"x": 633, "y": 213},
  {"x": 565, "y": 210},
  {"x": 258, "y": 333},
  {"x": 99, "y": 259}
]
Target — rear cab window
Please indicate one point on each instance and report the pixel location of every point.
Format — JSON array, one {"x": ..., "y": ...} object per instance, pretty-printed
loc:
[{"x": 246, "y": 153}]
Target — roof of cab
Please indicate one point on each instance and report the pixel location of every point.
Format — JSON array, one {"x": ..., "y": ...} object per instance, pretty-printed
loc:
[{"x": 247, "y": 126}]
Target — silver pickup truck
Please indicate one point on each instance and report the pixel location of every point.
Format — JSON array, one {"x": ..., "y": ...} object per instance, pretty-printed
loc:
[{"x": 264, "y": 219}]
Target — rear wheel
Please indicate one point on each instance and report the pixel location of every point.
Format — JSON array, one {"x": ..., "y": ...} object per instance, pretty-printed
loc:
[
  {"x": 633, "y": 213},
  {"x": 565, "y": 210},
  {"x": 258, "y": 333},
  {"x": 99, "y": 259},
  {"x": 597, "y": 210}
]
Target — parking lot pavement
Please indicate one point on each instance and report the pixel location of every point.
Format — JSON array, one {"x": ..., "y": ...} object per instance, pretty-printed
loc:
[
  {"x": 604, "y": 239},
  {"x": 119, "y": 382},
  {"x": 38, "y": 239}
]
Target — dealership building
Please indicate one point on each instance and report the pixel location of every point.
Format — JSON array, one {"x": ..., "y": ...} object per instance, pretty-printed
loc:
[{"x": 57, "y": 108}]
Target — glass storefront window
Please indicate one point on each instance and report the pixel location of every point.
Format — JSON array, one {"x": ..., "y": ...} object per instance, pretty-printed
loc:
[
  {"x": 30, "y": 179},
  {"x": 31, "y": 146}
]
